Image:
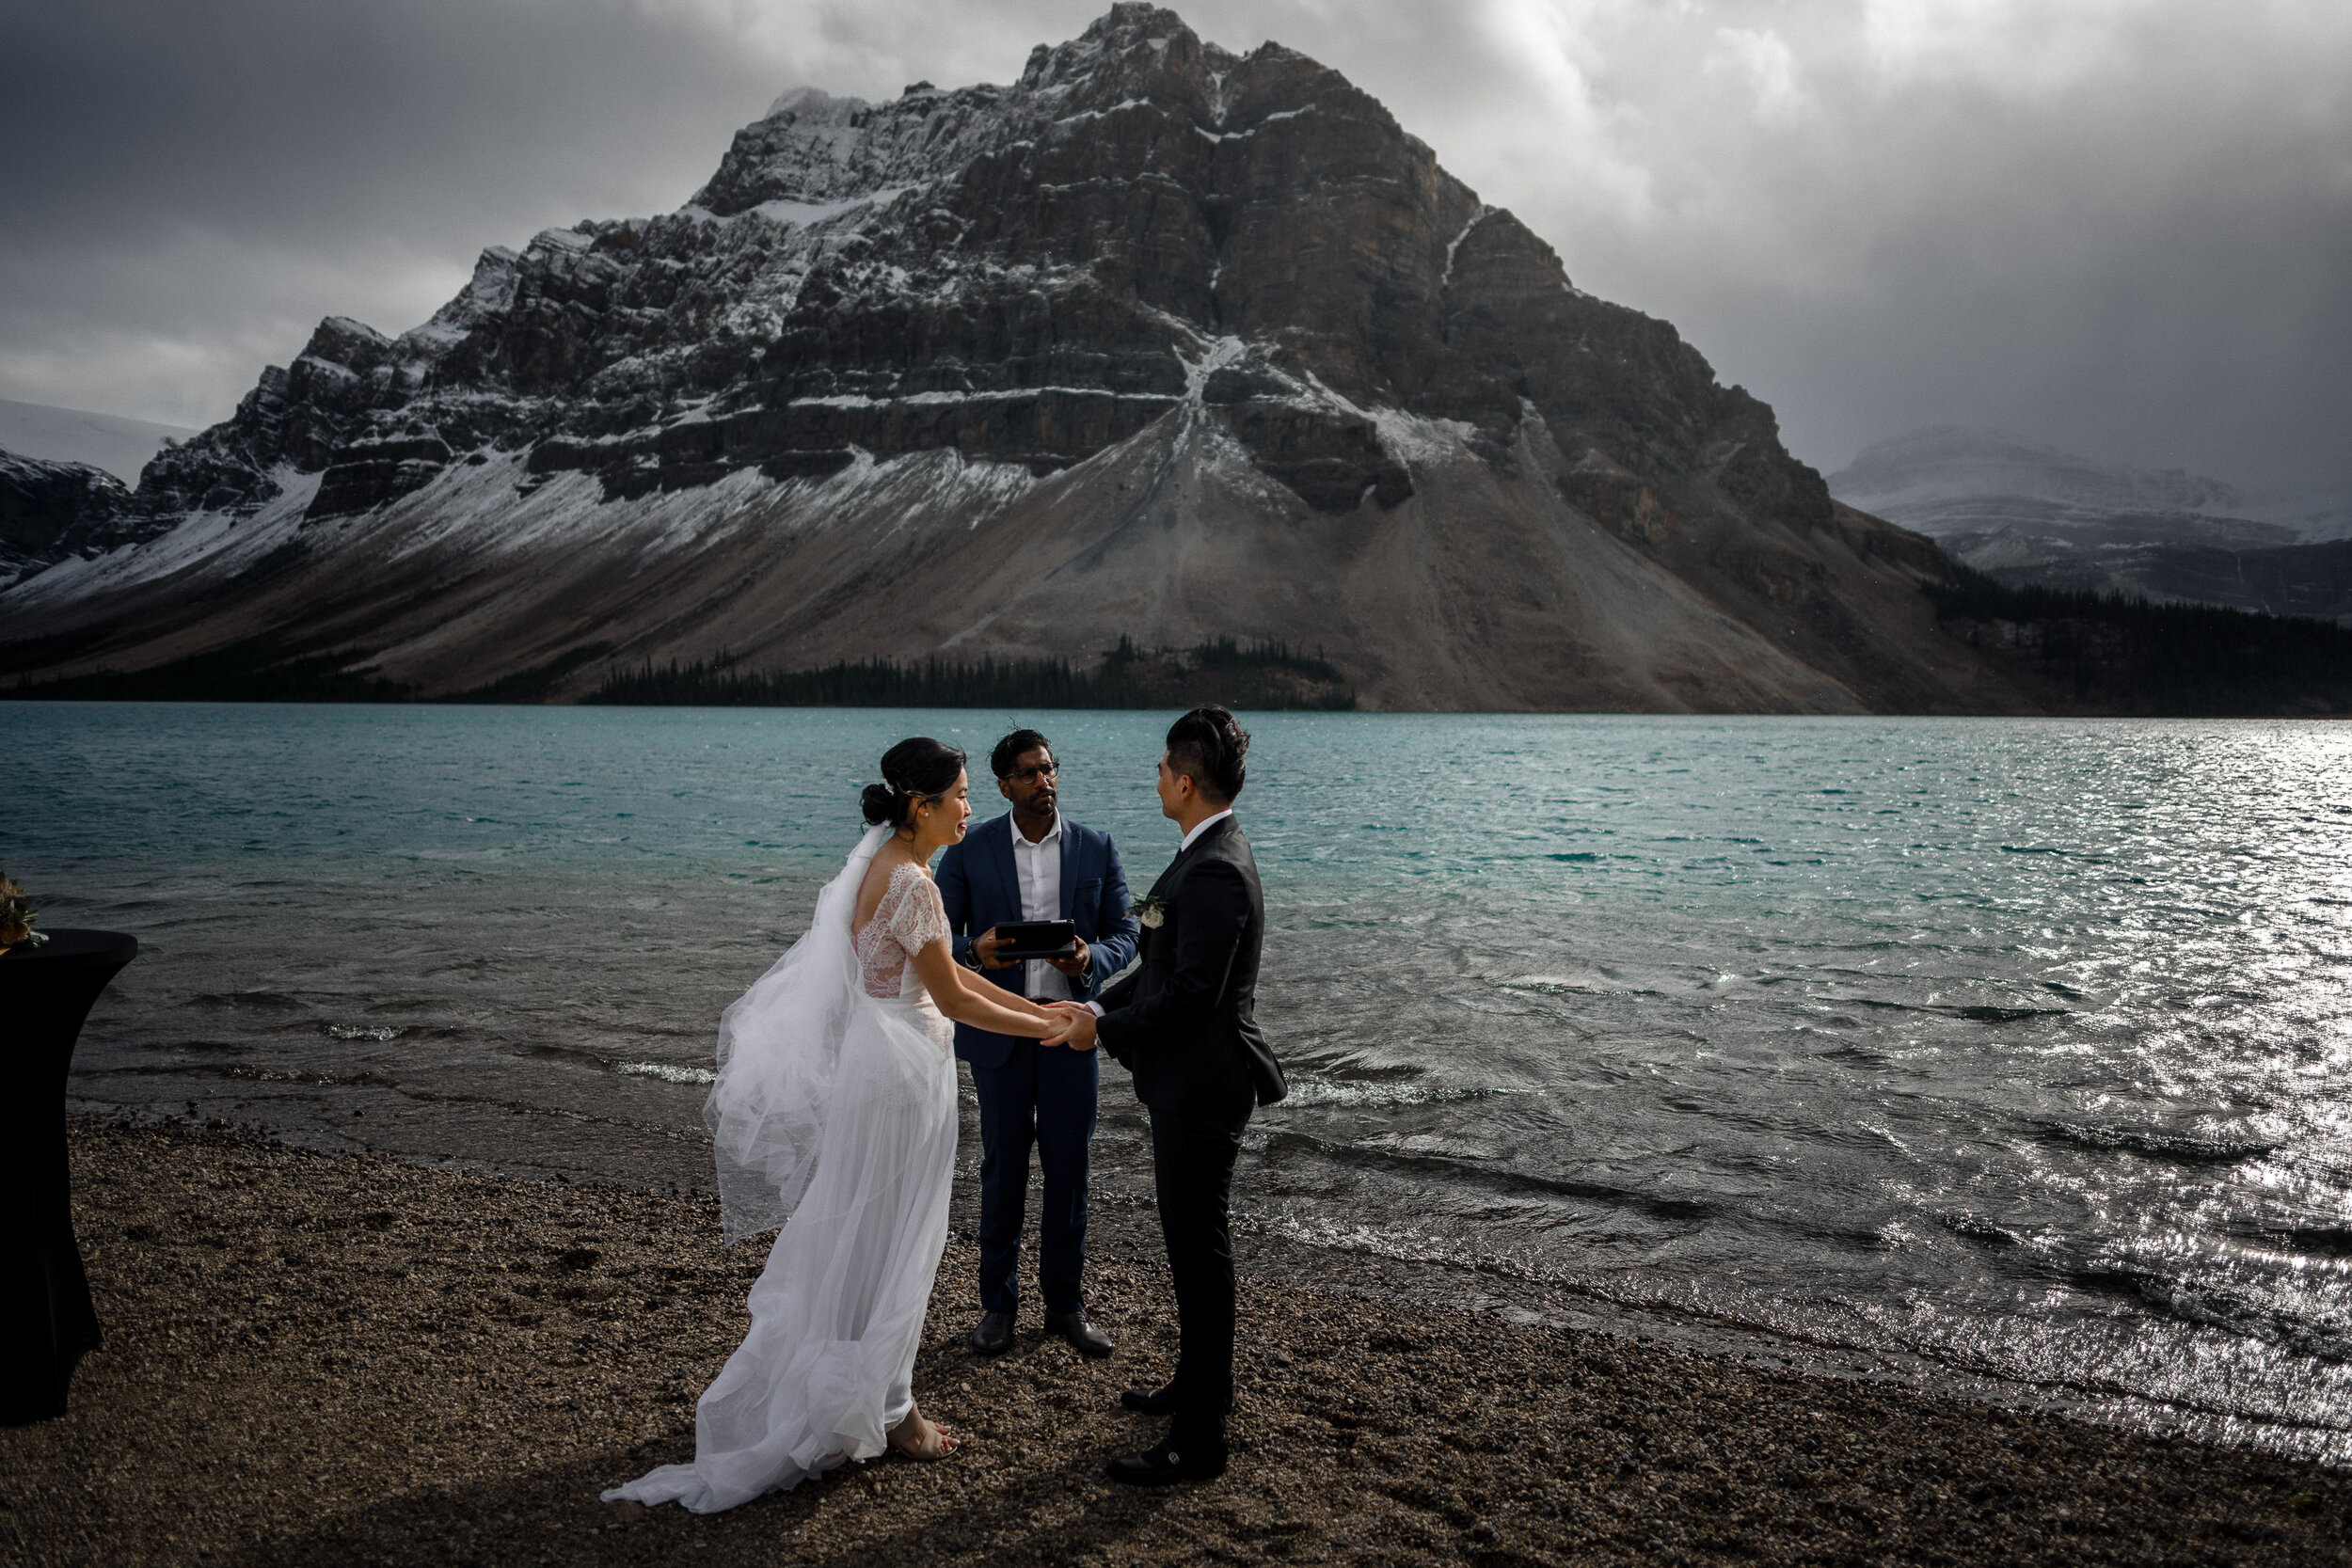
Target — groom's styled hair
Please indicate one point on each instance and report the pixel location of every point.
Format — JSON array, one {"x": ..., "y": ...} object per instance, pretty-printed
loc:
[{"x": 1206, "y": 746}]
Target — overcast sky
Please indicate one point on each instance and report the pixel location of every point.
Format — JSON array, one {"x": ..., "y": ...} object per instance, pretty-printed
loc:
[{"x": 2121, "y": 225}]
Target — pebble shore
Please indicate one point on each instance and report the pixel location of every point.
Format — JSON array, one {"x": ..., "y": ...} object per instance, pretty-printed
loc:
[{"x": 322, "y": 1359}]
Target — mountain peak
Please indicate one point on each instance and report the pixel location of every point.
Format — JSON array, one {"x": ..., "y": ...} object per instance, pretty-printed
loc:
[
  {"x": 817, "y": 106},
  {"x": 1206, "y": 342},
  {"x": 1141, "y": 49},
  {"x": 1133, "y": 25}
]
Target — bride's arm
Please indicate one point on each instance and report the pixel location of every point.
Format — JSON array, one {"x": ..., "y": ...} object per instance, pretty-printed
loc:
[{"x": 967, "y": 999}]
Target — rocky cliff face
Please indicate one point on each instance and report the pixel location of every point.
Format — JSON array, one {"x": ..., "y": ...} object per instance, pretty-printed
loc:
[
  {"x": 53, "y": 511},
  {"x": 1159, "y": 341}
]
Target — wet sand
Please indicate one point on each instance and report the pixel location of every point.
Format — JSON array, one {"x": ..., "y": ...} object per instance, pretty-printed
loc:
[{"x": 317, "y": 1358}]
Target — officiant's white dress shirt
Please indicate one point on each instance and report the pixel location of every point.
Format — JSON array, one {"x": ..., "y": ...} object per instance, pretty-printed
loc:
[
  {"x": 1038, "y": 867},
  {"x": 1198, "y": 827}
]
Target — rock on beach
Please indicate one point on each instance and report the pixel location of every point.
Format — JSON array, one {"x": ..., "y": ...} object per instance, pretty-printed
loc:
[{"x": 316, "y": 1358}]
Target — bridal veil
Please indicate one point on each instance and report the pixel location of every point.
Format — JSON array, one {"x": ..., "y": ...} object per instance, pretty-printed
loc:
[
  {"x": 834, "y": 1119},
  {"x": 779, "y": 1059}
]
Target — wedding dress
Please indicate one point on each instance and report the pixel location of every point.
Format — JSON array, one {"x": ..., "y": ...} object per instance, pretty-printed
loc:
[{"x": 835, "y": 1113}]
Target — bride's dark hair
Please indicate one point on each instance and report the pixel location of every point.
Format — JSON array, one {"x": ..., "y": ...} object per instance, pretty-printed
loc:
[{"x": 916, "y": 768}]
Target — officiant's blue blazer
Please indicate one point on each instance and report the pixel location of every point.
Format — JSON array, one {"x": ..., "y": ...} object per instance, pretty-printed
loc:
[{"x": 981, "y": 889}]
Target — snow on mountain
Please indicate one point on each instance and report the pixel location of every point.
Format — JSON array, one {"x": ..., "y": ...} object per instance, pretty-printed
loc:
[{"x": 1157, "y": 341}]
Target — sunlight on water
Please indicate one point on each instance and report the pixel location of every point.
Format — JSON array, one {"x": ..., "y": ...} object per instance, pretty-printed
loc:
[{"x": 2017, "y": 1049}]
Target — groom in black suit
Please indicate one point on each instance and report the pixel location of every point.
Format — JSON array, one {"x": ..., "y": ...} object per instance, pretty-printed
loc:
[{"x": 1184, "y": 1024}]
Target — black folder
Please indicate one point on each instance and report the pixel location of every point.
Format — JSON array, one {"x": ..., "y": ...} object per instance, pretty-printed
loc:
[{"x": 1037, "y": 938}]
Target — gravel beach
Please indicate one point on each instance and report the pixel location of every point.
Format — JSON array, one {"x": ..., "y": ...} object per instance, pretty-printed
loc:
[{"x": 327, "y": 1360}]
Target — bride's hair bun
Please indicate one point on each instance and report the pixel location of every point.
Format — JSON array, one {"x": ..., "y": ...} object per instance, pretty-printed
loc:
[
  {"x": 918, "y": 769},
  {"x": 880, "y": 804}
]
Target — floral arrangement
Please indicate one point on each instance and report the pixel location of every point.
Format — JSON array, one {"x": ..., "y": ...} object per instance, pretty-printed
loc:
[
  {"x": 16, "y": 917},
  {"x": 1149, "y": 912}
]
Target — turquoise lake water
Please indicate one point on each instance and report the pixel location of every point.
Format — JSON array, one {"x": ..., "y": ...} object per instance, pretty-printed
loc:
[{"x": 2012, "y": 1055}]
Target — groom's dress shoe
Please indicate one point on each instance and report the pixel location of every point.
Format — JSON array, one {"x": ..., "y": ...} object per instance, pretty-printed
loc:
[
  {"x": 995, "y": 1335},
  {"x": 1151, "y": 1402},
  {"x": 1084, "y": 1336},
  {"x": 1167, "y": 1464}
]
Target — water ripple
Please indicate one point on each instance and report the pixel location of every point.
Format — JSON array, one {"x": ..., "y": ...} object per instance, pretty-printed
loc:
[{"x": 2017, "y": 1049}]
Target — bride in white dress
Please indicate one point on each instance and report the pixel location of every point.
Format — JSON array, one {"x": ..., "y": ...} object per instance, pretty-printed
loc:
[{"x": 834, "y": 1115}]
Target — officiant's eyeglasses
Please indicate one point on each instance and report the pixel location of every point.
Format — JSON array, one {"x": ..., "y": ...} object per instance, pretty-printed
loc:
[{"x": 1031, "y": 775}]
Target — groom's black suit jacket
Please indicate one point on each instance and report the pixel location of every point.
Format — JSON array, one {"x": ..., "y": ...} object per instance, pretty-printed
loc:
[{"x": 1184, "y": 1022}]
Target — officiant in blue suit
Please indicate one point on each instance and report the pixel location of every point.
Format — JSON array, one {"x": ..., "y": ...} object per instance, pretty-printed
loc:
[{"x": 1035, "y": 863}]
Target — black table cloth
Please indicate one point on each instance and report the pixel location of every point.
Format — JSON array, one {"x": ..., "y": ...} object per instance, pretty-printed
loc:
[{"x": 47, "y": 1319}]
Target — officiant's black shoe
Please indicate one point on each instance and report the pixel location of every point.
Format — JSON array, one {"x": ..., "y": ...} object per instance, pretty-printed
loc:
[
  {"x": 995, "y": 1335},
  {"x": 1167, "y": 1464},
  {"x": 1084, "y": 1336},
  {"x": 1151, "y": 1402}
]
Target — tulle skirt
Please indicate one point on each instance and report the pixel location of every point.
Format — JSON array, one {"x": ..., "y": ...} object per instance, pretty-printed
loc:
[{"x": 828, "y": 1366}]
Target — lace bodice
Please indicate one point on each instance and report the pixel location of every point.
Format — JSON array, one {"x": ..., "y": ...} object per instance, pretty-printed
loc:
[{"x": 909, "y": 916}]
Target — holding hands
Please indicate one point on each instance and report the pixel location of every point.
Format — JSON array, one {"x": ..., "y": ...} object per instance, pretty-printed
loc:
[{"x": 1077, "y": 1026}]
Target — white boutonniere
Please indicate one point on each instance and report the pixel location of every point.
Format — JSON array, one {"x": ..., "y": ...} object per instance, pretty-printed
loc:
[{"x": 1149, "y": 912}]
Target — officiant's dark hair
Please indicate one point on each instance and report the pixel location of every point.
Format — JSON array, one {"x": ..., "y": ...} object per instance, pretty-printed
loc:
[
  {"x": 1213, "y": 750},
  {"x": 916, "y": 768},
  {"x": 1016, "y": 745}
]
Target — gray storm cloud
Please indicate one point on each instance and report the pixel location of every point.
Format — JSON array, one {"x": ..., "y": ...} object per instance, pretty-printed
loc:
[{"x": 2123, "y": 226}]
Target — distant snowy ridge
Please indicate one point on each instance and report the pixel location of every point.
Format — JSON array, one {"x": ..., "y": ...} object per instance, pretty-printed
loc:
[
  {"x": 2032, "y": 515},
  {"x": 121, "y": 447},
  {"x": 1952, "y": 481}
]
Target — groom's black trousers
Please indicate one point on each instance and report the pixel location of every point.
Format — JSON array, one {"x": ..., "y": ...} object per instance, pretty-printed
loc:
[{"x": 1193, "y": 1150}]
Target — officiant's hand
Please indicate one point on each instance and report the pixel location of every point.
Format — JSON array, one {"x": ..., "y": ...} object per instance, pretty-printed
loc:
[
  {"x": 1074, "y": 966},
  {"x": 984, "y": 948},
  {"x": 1077, "y": 1031}
]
